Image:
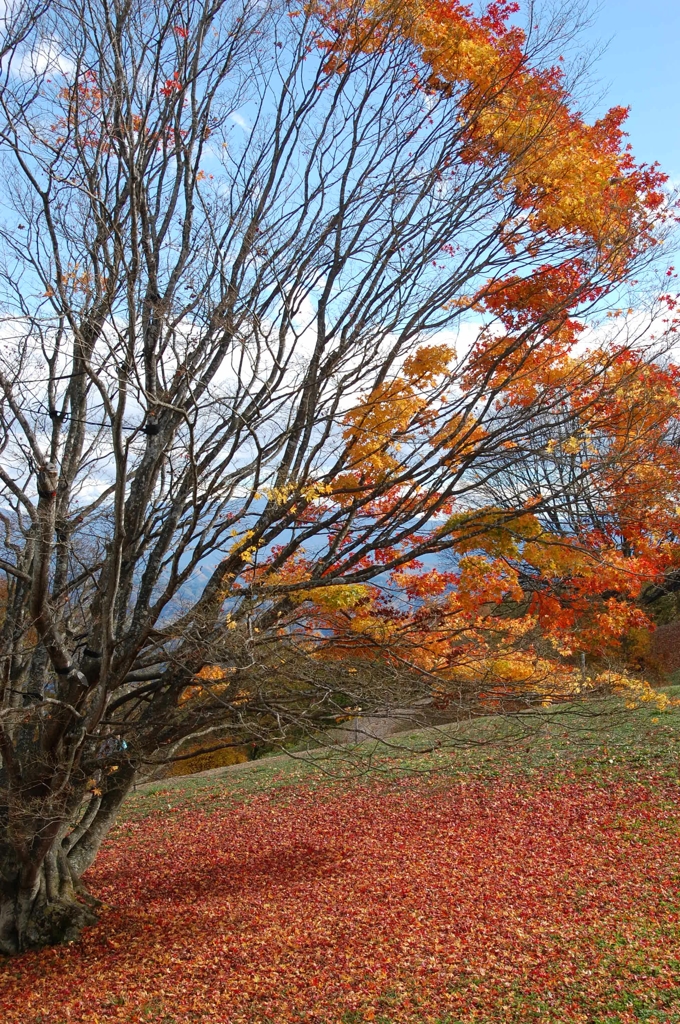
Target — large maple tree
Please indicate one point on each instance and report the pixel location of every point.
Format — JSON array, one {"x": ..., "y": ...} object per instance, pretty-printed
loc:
[{"x": 292, "y": 300}]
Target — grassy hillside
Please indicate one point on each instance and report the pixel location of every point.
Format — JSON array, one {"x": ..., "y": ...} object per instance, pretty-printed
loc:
[
  {"x": 522, "y": 870},
  {"x": 587, "y": 738}
]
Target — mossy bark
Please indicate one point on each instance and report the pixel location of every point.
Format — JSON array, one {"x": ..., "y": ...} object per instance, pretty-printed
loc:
[{"x": 46, "y": 903}]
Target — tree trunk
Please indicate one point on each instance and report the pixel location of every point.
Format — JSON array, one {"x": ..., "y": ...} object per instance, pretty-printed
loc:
[
  {"x": 54, "y": 908},
  {"x": 45, "y": 904}
]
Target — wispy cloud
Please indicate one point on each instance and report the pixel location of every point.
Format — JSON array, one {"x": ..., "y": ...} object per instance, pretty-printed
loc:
[
  {"x": 240, "y": 121},
  {"x": 47, "y": 57}
]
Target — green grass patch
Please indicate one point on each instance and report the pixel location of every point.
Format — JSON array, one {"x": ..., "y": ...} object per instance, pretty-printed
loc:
[{"x": 592, "y": 738}]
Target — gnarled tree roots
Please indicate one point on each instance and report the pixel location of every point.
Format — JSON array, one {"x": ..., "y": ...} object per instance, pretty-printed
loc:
[{"x": 54, "y": 910}]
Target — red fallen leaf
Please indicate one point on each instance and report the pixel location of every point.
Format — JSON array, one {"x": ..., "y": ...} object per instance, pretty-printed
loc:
[{"x": 409, "y": 902}]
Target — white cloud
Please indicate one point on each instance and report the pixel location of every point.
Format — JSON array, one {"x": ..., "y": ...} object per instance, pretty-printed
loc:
[
  {"x": 240, "y": 120},
  {"x": 45, "y": 58}
]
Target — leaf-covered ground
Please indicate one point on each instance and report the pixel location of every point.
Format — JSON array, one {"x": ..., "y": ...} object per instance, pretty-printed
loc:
[{"x": 548, "y": 895}]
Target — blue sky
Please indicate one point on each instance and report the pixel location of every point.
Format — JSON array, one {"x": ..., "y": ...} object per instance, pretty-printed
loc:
[{"x": 641, "y": 69}]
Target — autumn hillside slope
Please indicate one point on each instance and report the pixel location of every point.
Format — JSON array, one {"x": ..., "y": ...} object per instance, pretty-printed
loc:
[{"x": 534, "y": 879}]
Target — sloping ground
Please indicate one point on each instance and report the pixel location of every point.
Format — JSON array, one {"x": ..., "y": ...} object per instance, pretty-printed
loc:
[{"x": 537, "y": 885}]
